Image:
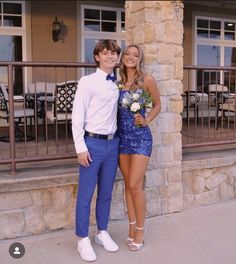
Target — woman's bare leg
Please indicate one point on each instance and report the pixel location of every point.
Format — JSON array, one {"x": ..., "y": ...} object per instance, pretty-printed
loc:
[
  {"x": 138, "y": 166},
  {"x": 124, "y": 164}
]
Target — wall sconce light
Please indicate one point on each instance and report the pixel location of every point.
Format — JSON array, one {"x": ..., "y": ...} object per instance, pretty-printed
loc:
[{"x": 56, "y": 30}]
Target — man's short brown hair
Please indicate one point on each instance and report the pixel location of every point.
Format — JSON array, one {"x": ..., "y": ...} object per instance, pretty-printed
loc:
[{"x": 105, "y": 44}]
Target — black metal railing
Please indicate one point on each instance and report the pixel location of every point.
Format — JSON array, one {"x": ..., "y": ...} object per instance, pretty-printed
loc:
[
  {"x": 209, "y": 106},
  {"x": 49, "y": 96},
  {"x": 208, "y": 115}
]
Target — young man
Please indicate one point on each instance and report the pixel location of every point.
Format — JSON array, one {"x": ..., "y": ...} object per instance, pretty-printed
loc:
[{"x": 94, "y": 126}]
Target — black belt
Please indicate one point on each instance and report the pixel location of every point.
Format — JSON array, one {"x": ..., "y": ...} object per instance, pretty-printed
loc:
[{"x": 99, "y": 136}]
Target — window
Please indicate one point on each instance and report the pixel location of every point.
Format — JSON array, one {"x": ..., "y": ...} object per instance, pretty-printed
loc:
[
  {"x": 100, "y": 23},
  {"x": 11, "y": 14},
  {"x": 12, "y": 39},
  {"x": 208, "y": 29},
  {"x": 214, "y": 46}
]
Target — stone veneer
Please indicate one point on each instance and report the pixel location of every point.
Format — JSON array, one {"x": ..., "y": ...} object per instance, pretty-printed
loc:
[
  {"x": 209, "y": 180},
  {"x": 157, "y": 26},
  {"x": 36, "y": 204}
]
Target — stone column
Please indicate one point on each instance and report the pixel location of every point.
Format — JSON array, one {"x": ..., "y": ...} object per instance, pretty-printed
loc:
[{"x": 157, "y": 26}]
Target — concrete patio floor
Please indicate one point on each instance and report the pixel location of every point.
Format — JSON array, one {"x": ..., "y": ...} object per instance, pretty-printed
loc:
[{"x": 204, "y": 235}]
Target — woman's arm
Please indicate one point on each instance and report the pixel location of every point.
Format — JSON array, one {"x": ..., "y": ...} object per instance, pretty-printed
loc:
[{"x": 151, "y": 86}]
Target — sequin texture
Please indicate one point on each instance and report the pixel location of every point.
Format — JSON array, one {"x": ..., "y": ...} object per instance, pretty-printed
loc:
[{"x": 133, "y": 140}]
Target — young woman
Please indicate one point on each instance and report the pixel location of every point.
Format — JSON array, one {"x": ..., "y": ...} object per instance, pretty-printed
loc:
[{"x": 135, "y": 138}]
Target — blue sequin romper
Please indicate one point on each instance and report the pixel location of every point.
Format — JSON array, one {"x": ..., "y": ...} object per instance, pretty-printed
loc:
[{"x": 133, "y": 140}]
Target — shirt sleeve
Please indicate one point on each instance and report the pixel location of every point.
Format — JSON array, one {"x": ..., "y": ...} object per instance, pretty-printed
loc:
[{"x": 80, "y": 105}]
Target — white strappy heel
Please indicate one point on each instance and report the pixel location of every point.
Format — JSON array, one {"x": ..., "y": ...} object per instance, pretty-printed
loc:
[
  {"x": 130, "y": 240},
  {"x": 138, "y": 246}
]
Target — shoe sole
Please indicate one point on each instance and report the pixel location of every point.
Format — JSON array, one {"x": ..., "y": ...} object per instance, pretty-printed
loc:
[
  {"x": 85, "y": 259},
  {"x": 97, "y": 241}
]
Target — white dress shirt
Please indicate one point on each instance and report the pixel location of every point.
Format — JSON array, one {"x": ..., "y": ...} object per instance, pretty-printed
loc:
[{"x": 94, "y": 108}]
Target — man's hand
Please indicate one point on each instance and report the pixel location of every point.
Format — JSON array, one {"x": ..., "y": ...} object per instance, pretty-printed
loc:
[{"x": 84, "y": 158}]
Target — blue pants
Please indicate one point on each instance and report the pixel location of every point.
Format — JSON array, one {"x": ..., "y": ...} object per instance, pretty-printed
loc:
[{"x": 102, "y": 171}]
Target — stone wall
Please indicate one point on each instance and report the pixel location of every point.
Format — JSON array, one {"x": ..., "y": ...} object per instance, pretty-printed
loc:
[
  {"x": 209, "y": 181},
  {"x": 31, "y": 212},
  {"x": 33, "y": 205},
  {"x": 157, "y": 26}
]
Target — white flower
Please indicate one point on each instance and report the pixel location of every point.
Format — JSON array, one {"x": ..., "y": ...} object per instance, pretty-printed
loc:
[
  {"x": 136, "y": 96},
  {"x": 125, "y": 101},
  {"x": 135, "y": 107},
  {"x": 149, "y": 105}
]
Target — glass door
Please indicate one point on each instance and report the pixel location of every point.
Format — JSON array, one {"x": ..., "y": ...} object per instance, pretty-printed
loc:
[
  {"x": 12, "y": 39},
  {"x": 11, "y": 50}
]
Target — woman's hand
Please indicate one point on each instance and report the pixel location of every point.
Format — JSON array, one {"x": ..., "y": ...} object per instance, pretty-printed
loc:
[{"x": 139, "y": 120}]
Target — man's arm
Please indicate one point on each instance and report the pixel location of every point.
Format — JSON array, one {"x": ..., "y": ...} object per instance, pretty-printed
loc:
[{"x": 80, "y": 105}]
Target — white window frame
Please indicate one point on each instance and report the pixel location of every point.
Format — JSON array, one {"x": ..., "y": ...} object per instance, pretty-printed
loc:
[
  {"x": 118, "y": 35},
  {"x": 18, "y": 31},
  {"x": 222, "y": 43}
]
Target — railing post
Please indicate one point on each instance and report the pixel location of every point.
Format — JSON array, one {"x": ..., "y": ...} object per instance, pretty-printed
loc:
[{"x": 11, "y": 119}]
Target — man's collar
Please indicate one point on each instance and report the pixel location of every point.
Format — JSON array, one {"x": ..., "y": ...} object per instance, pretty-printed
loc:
[{"x": 103, "y": 73}]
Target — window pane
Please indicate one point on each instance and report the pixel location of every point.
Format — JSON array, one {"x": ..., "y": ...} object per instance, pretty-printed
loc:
[
  {"x": 230, "y": 56},
  {"x": 122, "y": 16},
  {"x": 12, "y": 21},
  {"x": 11, "y": 8},
  {"x": 202, "y": 33},
  {"x": 214, "y": 34},
  {"x": 122, "y": 46},
  {"x": 89, "y": 45},
  {"x": 208, "y": 55},
  {"x": 215, "y": 24},
  {"x": 230, "y": 60},
  {"x": 11, "y": 50},
  {"x": 122, "y": 27},
  {"x": 229, "y": 36},
  {"x": 91, "y": 26},
  {"x": 92, "y": 14},
  {"x": 108, "y": 27},
  {"x": 202, "y": 23},
  {"x": 206, "y": 77},
  {"x": 229, "y": 26},
  {"x": 109, "y": 15}
]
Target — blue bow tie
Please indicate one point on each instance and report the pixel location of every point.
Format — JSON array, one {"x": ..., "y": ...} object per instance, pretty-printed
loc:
[{"x": 111, "y": 77}]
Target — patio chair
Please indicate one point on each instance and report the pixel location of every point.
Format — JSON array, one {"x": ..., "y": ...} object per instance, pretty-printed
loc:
[
  {"x": 61, "y": 110},
  {"x": 223, "y": 100},
  {"x": 215, "y": 92},
  {"x": 190, "y": 101},
  {"x": 38, "y": 94},
  {"x": 226, "y": 106},
  {"x": 21, "y": 115}
]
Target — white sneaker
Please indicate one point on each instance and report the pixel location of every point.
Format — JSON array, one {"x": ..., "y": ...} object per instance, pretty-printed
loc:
[
  {"x": 86, "y": 250},
  {"x": 103, "y": 238}
]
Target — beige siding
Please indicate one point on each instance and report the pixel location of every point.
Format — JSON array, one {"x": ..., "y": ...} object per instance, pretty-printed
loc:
[
  {"x": 43, "y": 47},
  {"x": 43, "y": 15}
]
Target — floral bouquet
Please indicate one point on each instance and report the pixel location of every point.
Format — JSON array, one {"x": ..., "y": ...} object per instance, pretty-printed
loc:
[{"x": 137, "y": 100}]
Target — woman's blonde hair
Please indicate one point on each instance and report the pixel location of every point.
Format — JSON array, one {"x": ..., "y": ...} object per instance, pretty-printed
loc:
[{"x": 138, "y": 80}]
